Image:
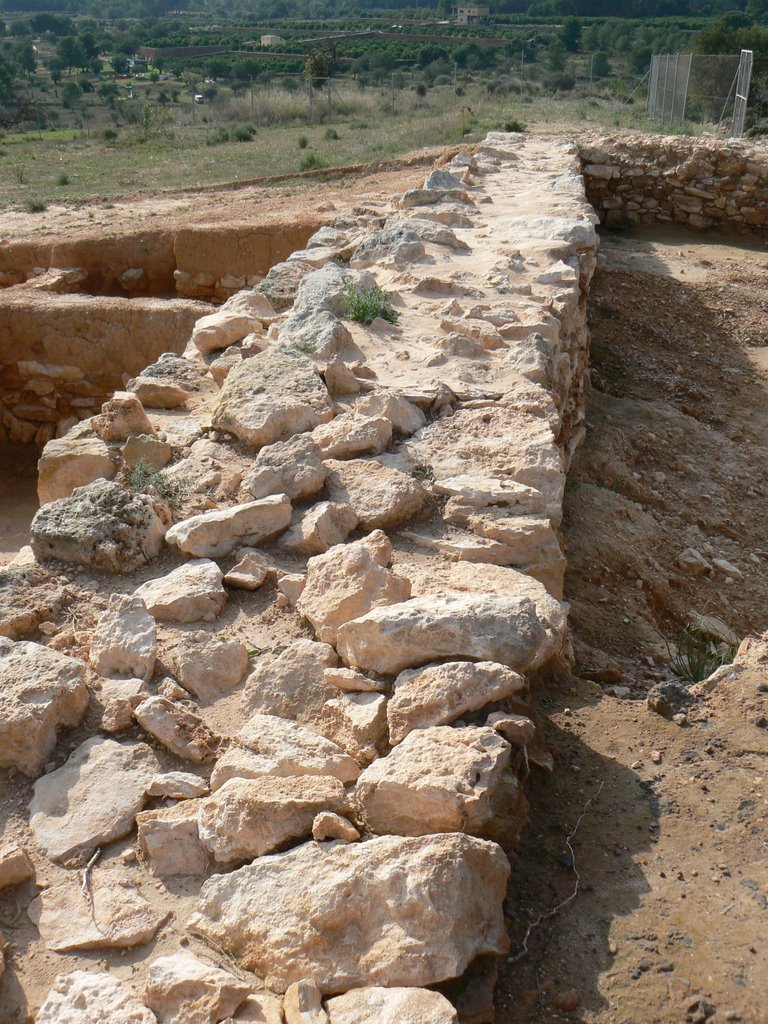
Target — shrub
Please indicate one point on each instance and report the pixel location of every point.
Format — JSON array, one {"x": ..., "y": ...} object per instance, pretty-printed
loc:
[
  {"x": 303, "y": 142},
  {"x": 63, "y": 178},
  {"x": 331, "y": 134},
  {"x": 143, "y": 479},
  {"x": 514, "y": 126},
  {"x": 364, "y": 305},
  {"x": 243, "y": 133},
  {"x": 421, "y": 90},
  {"x": 312, "y": 162},
  {"x": 110, "y": 134},
  {"x": 35, "y": 205},
  {"x": 699, "y": 651}
]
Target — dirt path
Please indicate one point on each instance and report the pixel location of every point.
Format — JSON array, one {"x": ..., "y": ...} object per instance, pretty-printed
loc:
[{"x": 671, "y": 921}]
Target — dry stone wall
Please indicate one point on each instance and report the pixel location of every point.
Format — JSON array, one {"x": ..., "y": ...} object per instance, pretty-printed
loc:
[
  {"x": 702, "y": 184},
  {"x": 331, "y": 812}
]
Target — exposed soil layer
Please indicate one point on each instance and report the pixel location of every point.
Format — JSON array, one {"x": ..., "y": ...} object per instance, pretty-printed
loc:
[{"x": 671, "y": 851}]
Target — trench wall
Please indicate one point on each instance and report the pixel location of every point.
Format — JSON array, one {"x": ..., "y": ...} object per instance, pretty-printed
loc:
[{"x": 701, "y": 184}]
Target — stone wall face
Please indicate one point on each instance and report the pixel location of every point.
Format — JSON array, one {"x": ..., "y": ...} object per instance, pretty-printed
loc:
[{"x": 696, "y": 183}]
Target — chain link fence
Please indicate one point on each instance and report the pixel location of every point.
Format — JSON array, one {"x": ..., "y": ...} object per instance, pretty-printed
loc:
[{"x": 703, "y": 88}]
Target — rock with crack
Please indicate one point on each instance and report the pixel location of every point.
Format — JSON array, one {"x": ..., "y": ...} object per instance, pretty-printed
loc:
[
  {"x": 102, "y": 526},
  {"x": 358, "y": 723},
  {"x": 223, "y": 328},
  {"x": 241, "y": 763},
  {"x": 293, "y": 467},
  {"x": 251, "y": 570},
  {"x": 439, "y": 694},
  {"x": 383, "y": 498},
  {"x": 302, "y": 1004},
  {"x": 272, "y": 397},
  {"x": 348, "y": 581},
  {"x": 437, "y": 780},
  {"x": 208, "y": 665},
  {"x": 109, "y": 914},
  {"x": 349, "y": 434},
  {"x": 390, "y": 911},
  {"x": 315, "y": 331},
  {"x": 118, "y": 698},
  {"x": 182, "y": 989},
  {"x": 72, "y": 461},
  {"x": 396, "y": 243},
  {"x": 319, "y": 528},
  {"x": 179, "y": 730},
  {"x": 170, "y": 840},
  {"x": 177, "y": 786},
  {"x": 120, "y": 417},
  {"x": 295, "y": 749},
  {"x": 191, "y": 593},
  {"x": 291, "y": 685},
  {"x": 405, "y": 417},
  {"x": 377, "y": 1005},
  {"x": 248, "y": 818},
  {"x": 41, "y": 691},
  {"x": 85, "y": 998},
  {"x": 124, "y": 642},
  {"x": 92, "y": 799},
  {"x": 167, "y": 383},
  {"x": 216, "y": 533},
  {"x": 349, "y": 681}
]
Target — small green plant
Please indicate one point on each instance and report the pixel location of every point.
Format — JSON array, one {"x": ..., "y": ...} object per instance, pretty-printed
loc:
[
  {"x": 307, "y": 346},
  {"x": 143, "y": 478},
  {"x": 303, "y": 142},
  {"x": 20, "y": 175},
  {"x": 312, "y": 162},
  {"x": 514, "y": 126},
  {"x": 331, "y": 134},
  {"x": 35, "y": 205},
  {"x": 110, "y": 134},
  {"x": 63, "y": 178},
  {"x": 699, "y": 650},
  {"x": 364, "y": 305}
]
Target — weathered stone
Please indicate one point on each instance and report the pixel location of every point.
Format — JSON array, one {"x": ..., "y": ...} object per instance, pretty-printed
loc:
[
  {"x": 69, "y": 462},
  {"x": 240, "y": 763},
  {"x": 167, "y": 383},
  {"x": 281, "y": 283},
  {"x": 92, "y": 799},
  {"x": 433, "y": 196},
  {"x": 181, "y": 731},
  {"x": 41, "y": 691},
  {"x": 383, "y": 498},
  {"x": 182, "y": 989},
  {"x": 260, "y": 1008},
  {"x": 101, "y": 525},
  {"x": 190, "y": 593},
  {"x": 302, "y": 1004},
  {"x": 348, "y": 581},
  {"x": 328, "y": 825},
  {"x": 390, "y": 1006},
  {"x": 315, "y": 330},
  {"x": 339, "y": 378},
  {"x": 209, "y": 665},
  {"x": 28, "y": 596},
  {"x": 323, "y": 289},
  {"x": 509, "y": 628},
  {"x": 396, "y": 242},
  {"x": 109, "y": 914},
  {"x": 439, "y": 694},
  {"x": 358, "y": 723},
  {"x": 120, "y": 417},
  {"x": 405, "y": 417},
  {"x": 442, "y": 179},
  {"x": 15, "y": 865},
  {"x": 248, "y": 818},
  {"x": 223, "y": 328},
  {"x": 170, "y": 840},
  {"x": 143, "y": 448},
  {"x": 291, "y": 685},
  {"x": 437, "y": 780},
  {"x": 124, "y": 642},
  {"x": 693, "y": 562},
  {"x": 347, "y": 680},
  {"x": 295, "y": 749},
  {"x": 291, "y": 467},
  {"x": 250, "y": 572},
  {"x": 177, "y": 786},
  {"x": 272, "y": 397},
  {"x": 216, "y": 533},
  {"x": 321, "y": 527},
  {"x": 248, "y": 300},
  {"x": 290, "y": 586},
  {"x": 118, "y": 698},
  {"x": 353, "y": 435},
  {"x": 85, "y": 998},
  {"x": 398, "y": 911}
]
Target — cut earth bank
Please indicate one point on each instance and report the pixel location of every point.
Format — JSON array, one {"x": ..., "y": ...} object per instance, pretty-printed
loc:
[{"x": 423, "y": 757}]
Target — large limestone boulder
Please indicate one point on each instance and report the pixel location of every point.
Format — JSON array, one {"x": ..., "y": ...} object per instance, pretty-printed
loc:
[
  {"x": 439, "y": 694},
  {"x": 376, "y": 1005},
  {"x": 291, "y": 685},
  {"x": 272, "y": 397},
  {"x": 317, "y": 331},
  {"x": 293, "y": 467},
  {"x": 69, "y": 462},
  {"x": 109, "y": 913},
  {"x": 223, "y": 328},
  {"x": 191, "y": 593},
  {"x": 390, "y": 911},
  {"x": 248, "y": 818},
  {"x": 295, "y": 749},
  {"x": 383, "y": 498},
  {"x": 124, "y": 642},
  {"x": 216, "y": 533},
  {"x": 209, "y": 665},
  {"x": 348, "y": 581},
  {"x": 437, "y": 780},
  {"x": 92, "y": 799},
  {"x": 85, "y": 998},
  {"x": 182, "y": 989},
  {"x": 102, "y": 526},
  {"x": 522, "y": 628},
  {"x": 40, "y": 691}
]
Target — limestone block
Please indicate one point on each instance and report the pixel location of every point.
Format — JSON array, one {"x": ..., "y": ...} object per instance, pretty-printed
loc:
[
  {"x": 190, "y": 593},
  {"x": 180, "y": 730},
  {"x": 85, "y": 998},
  {"x": 120, "y": 417},
  {"x": 293, "y": 467},
  {"x": 69, "y": 462},
  {"x": 329, "y": 825},
  {"x": 124, "y": 642},
  {"x": 177, "y": 786},
  {"x": 182, "y": 989},
  {"x": 143, "y": 448},
  {"x": 15, "y": 865},
  {"x": 222, "y": 329},
  {"x": 250, "y": 572},
  {"x": 316, "y": 331},
  {"x": 319, "y": 528},
  {"x": 383, "y": 498},
  {"x": 170, "y": 840},
  {"x": 302, "y": 1004},
  {"x": 209, "y": 665},
  {"x": 375, "y": 1005},
  {"x": 358, "y": 723},
  {"x": 216, "y": 533},
  {"x": 405, "y": 417},
  {"x": 349, "y": 434},
  {"x": 295, "y": 749},
  {"x": 291, "y": 684}
]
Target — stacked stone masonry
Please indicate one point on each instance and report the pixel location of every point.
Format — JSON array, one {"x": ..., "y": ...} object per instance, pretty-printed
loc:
[{"x": 384, "y": 501}]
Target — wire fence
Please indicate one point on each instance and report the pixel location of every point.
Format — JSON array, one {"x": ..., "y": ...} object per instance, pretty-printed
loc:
[{"x": 703, "y": 88}]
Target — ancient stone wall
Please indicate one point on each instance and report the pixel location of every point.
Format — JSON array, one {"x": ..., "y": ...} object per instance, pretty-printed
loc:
[{"x": 702, "y": 184}]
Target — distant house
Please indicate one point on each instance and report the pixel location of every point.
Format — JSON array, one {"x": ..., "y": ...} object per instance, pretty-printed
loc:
[
  {"x": 470, "y": 15},
  {"x": 272, "y": 41}
]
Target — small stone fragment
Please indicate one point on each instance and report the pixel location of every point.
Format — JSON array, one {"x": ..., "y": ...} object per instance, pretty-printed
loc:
[
  {"x": 357, "y": 722},
  {"x": 390, "y": 1006},
  {"x": 124, "y": 642},
  {"x": 191, "y": 593},
  {"x": 15, "y": 865},
  {"x": 302, "y": 1004},
  {"x": 170, "y": 840},
  {"x": 328, "y": 825},
  {"x": 177, "y": 786},
  {"x": 181, "y": 731}
]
